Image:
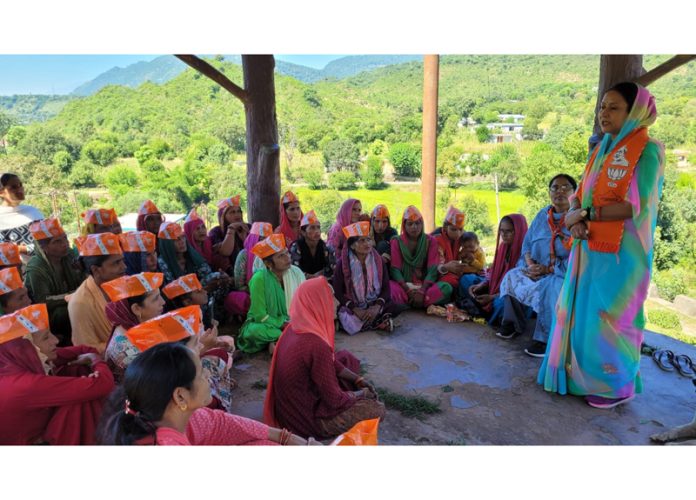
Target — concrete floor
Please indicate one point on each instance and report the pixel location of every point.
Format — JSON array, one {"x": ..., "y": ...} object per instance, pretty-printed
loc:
[{"x": 494, "y": 397}]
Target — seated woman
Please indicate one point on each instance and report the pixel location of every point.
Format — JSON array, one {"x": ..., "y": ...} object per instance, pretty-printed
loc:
[
  {"x": 481, "y": 296},
  {"x": 238, "y": 301},
  {"x": 13, "y": 295},
  {"x": 536, "y": 281},
  {"x": 149, "y": 218},
  {"x": 100, "y": 220},
  {"x": 188, "y": 291},
  {"x": 9, "y": 255},
  {"x": 272, "y": 290},
  {"x": 310, "y": 253},
  {"x": 382, "y": 231},
  {"x": 348, "y": 214},
  {"x": 52, "y": 274},
  {"x": 414, "y": 263},
  {"x": 139, "y": 251},
  {"x": 312, "y": 390},
  {"x": 450, "y": 248},
  {"x": 164, "y": 399},
  {"x": 45, "y": 396},
  {"x": 290, "y": 218},
  {"x": 227, "y": 239},
  {"x": 102, "y": 259},
  {"x": 15, "y": 217},
  {"x": 197, "y": 236},
  {"x": 361, "y": 284}
]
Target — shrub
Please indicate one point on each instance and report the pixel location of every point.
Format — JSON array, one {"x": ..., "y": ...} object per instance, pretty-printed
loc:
[
  {"x": 477, "y": 219},
  {"x": 670, "y": 283},
  {"x": 83, "y": 174},
  {"x": 664, "y": 319},
  {"x": 406, "y": 159},
  {"x": 341, "y": 154},
  {"x": 482, "y": 133},
  {"x": 99, "y": 152},
  {"x": 63, "y": 161},
  {"x": 342, "y": 181},
  {"x": 326, "y": 205},
  {"x": 374, "y": 175},
  {"x": 314, "y": 176},
  {"x": 120, "y": 179}
]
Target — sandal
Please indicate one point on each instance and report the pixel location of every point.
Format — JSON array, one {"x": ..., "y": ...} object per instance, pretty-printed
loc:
[
  {"x": 647, "y": 349},
  {"x": 664, "y": 359},
  {"x": 684, "y": 365}
]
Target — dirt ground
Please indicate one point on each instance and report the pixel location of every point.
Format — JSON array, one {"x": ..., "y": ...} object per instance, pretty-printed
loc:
[{"x": 486, "y": 388}]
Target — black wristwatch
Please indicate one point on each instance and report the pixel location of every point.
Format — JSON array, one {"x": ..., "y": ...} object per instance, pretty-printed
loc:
[{"x": 588, "y": 212}]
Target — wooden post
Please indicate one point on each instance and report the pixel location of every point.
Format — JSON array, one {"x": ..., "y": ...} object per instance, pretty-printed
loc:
[
  {"x": 263, "y": 158},
  {"x": 430, "y": 90}
]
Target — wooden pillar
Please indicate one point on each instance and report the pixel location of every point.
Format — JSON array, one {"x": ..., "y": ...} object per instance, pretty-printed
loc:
[
  {"x": 263, "y": 159},
  {"x": 431, "y": 76},
  {"x": 614, "y": 69}
]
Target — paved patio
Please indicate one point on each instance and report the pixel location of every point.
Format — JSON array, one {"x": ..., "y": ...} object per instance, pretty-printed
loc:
[{"x": 494, "y": 397}]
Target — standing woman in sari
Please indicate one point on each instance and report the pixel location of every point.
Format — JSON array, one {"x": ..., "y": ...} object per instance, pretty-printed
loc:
[
  {"x": 414, "y": 265},
  {"x": 290, "y": 218},
  {"x": 313, "y": 390},
  {"x": 15, "y": 217},
  {"x": 382, "y": 232},
  {"x": 139, "y": 251},
  {"x": 594, "y": 348},
  {"x": 361, "y": 284},
  {"x": 47, "y": 395},
  {"x": 52, "y": 274},
  {"x": 348, "y": 214},
  {"x": 481, "y": 296},
  {"x": 310, "y": 253},
  {"x": 271, "y": 290},
  {"x": 227, "y": 239},
  {"x": 238, "y": 301}
]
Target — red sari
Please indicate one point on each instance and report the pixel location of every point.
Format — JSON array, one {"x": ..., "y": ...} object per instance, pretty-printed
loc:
[{"x": 60, "y": 409}]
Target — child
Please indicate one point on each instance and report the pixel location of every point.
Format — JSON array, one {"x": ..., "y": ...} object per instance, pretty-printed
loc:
[{"x": 472, "y": 254}]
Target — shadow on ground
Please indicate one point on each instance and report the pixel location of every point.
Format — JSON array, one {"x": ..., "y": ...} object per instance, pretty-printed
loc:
[{"x": 487, "y": 390}]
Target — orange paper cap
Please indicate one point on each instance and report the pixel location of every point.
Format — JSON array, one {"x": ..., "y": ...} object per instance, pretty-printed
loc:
[
  {"x": 170, "y": 327},
  {"x": 137, "y": 241},
  {"x": 132, "y": 286},
  {"x": 309, "y": 218},
  {"x": 192, "y": 215},
  {"x": 31, "y": 319},
  {"x": 232, "y": 201},
  {"x": 263, "y": 229},
  {"x": 9, "y": 254},
  {"x": 412, "y": 213},
  {"x": 47, "y": 228},
  {"x": 357, "y": 229},
  {"x": 170, "y": 231},
  {"x": 98, "y": 244},
  {"x": 185, "y": 284},
  {"x": 270, "y": 246},
  {"x": 455, "y": 217},
  {"x": 380, "y": 212},
  {"x": 101, "y": 216},
  {"x": 147, "y": 207},
  {"x": 10, "y": 280},
  {"x": 289, "y": 197}
]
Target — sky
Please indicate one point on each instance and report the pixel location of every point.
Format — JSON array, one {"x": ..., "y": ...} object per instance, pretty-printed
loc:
[{"x": 61, "y": 74}]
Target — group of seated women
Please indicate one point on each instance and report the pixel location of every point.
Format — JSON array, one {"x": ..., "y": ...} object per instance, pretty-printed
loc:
[{"x": 139, "y": 311}]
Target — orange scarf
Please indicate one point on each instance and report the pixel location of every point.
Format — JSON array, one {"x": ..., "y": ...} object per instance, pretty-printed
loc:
[{"x": 611, "y": 186}]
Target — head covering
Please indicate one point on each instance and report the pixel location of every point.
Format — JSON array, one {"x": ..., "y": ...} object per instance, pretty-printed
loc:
[
  {"x": 192, "y": 223},
  {"x": 147, "y": 208},
  {"x": 168, "y": 253},
  {"x": 500, "y": 265},
  {"x": 343, "y": 218},
  {"x": 285, "y": 226},
  {"x": 309, "y": 218},
  {"x": 170, "y": 231},
  {"x": 30, "y": 319},
  {"x": 357, "y": 229},
  {"x": 46, "y": 228},
  {"x": 259, "y": 231},
  {"x": 169, "y": 327},
  {"x": 98, "y": 244},
  {"x": 132, "y": 286},
  {"x": 232, "y": 201},
  {"x": 137, "y": 241},
  {"x": 9, "y": 254},
  {"x": 311, "y": 312},
  {"x": 192, "y": 215},
  {"x": 270, "y": 246},
  {"x": 262, "y": 229},
  {"x": 101, "y": 216},
  {"x": 408, "y": 261},
  {"x": 120, "y": 314},
  {"x": 380, "y": 212},
  {"x": 455, "y": 217},
  {"x": 10, "y": 280},
  {"x": 411, "y": 214},
  {"x": 181, "y": 286}
]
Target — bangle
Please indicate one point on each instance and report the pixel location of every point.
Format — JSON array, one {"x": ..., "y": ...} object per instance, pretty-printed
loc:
[
  {"x": 358, "y": 380},
  {"x": 284, "y": 437}
]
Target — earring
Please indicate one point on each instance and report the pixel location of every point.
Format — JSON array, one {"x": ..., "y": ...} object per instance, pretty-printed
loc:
[{"x": 184, "y": 407}]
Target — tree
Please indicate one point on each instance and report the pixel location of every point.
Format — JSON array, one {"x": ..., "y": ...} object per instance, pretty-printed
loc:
[
  {"x": 341, "y": 154},
  {"x": 483, "y": 134},
  {"x": 538, "y": 169},
  {"x": 6, "y": 121},
  {"x": 477, "y": 219},
  {"x": 505, "y": 162},
  {"x": 406, "y": 159},
  {"x": 342, "y": 180},
  {"x": 373, "y": 175},
  {"x": 44, "y": 142},
  {"x": 99, "y": 152},
  {"x": 63, "y": 161},
  {"x": 15, "y": 134},
  {"x": 121, "y": 179},
  {"x": 83, "y": 174}
]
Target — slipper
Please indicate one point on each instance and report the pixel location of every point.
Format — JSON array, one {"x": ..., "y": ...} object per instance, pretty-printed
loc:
[
  {"x": 647, "y": 349},
  {"x": 684, "y": 365},
  {"x": 664, "y": 359}
]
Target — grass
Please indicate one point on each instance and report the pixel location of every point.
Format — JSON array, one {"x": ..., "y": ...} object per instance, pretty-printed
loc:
[
  {"x": 409, "y": 406},
  {"x": 687, "y": 332}
]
